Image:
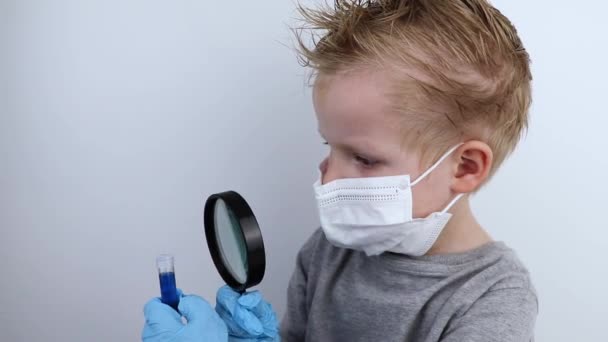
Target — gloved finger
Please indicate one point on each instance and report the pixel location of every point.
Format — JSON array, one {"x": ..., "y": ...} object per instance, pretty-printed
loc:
[
  {"x": 195, "y": 308},
  {"x": 256, "y": 304},
  {"x": 202, "y": 318},
  {"x": 248, "y": 321},
  {"x": 268, "y": 318},
  {"x": 262, "y": 309},
  {"x": 228, "y": 318},
  {"x": 180, "y": 293},
  {"x": 158, "y": 332},
  {"x": 250, "y": 300},
  {"x": 241, "y": 322},
  {"x": 227, "y": 298},
  {"x": 232, "y": 338},
  {"x": 158, "y": 313},
  {"x": 238, "y": 311}
]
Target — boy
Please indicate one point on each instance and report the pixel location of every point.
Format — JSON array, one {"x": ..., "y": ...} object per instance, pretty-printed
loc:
[{"x": 419, "y": 101}]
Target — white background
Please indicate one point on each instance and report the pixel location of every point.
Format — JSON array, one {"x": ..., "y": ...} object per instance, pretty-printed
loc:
[{"x": 119, "y": 118}]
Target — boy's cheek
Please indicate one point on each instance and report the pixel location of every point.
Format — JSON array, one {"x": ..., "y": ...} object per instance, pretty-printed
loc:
[
  {"x": 429, "y": 197},
  {"x": 422, "y": 201}
]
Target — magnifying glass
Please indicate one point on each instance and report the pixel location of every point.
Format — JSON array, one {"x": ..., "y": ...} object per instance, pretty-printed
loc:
[{"x": 235, "y": 240}]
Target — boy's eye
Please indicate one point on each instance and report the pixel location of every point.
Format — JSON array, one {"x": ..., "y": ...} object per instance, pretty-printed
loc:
[
  {"x": 365, "y": 161},
  {"x": 325, "y": 142}
]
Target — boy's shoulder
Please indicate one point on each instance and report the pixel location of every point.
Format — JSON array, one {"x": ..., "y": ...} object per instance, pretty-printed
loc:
[
  {"x": 469, "y": 295},
  {"x": 495, "y": 263}
]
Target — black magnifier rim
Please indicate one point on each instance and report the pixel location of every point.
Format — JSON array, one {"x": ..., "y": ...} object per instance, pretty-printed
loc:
[{"x": 252, "y": 236}]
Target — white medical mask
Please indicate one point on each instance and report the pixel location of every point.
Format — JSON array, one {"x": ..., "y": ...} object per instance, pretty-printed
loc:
[{"x": 374, "y": 214}]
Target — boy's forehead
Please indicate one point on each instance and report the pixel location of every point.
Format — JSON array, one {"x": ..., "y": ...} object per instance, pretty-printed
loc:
[{"x": 356, "y": 102}]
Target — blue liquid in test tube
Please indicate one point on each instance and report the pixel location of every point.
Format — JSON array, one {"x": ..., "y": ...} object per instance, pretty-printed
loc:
[{"x": 166, "y": 276}]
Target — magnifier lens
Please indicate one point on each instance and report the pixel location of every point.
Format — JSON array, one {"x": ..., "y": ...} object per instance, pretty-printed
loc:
[
  {"x": 230, "y": 241},
  {"x": 234, "y": 240}
]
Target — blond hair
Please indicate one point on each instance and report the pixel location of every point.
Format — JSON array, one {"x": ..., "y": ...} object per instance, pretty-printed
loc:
[{"x": 459, "y": 67}]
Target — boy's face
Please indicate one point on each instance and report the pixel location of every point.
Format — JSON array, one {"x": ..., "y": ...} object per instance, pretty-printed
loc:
[{"x": 365, "y": 137}]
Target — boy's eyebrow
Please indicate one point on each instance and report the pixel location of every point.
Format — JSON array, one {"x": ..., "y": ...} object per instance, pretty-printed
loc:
[{"x": 353, "y": 149}]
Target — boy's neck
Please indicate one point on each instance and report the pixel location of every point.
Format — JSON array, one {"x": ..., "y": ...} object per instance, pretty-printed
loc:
[{"x": 462, "y": 233}]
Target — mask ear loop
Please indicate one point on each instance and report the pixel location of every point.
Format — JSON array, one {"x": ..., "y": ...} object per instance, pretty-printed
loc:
[
  {"x": 434, "y": 166},
  {"x": 449, "y": 206}
]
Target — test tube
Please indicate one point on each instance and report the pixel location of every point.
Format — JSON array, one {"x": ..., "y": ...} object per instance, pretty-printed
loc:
[{"x": 166, "y": 276}]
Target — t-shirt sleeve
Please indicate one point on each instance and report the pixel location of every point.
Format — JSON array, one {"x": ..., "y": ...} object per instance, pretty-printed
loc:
[
  {"x": 293, "y": 324},
  {"x": 505, "y": 315}
]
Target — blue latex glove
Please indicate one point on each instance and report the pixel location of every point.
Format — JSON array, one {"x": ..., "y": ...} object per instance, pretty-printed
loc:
[
  {"x": 163, "y": 324},
  {"x": 248, "y": 317}
]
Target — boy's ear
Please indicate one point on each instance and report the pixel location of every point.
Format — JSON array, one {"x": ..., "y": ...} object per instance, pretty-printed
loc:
[{"x": 474, "y": 164}]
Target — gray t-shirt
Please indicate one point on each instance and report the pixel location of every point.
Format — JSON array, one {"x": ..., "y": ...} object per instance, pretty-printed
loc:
[{"x": 338, "y": 294}]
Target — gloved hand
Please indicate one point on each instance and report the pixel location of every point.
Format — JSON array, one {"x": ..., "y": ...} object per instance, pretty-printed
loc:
[
  {"x": 248, "y": 317},
  {"x": 164, "y": 324}
]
